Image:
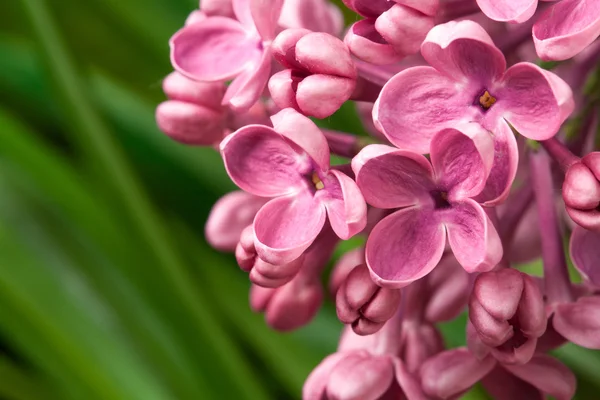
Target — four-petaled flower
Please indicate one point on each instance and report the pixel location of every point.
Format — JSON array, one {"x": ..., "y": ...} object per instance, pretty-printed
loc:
[{"x": 435, "y": 199}]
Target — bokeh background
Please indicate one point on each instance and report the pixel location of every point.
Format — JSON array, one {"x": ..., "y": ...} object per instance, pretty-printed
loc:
[{"x": 108, "y": 290}]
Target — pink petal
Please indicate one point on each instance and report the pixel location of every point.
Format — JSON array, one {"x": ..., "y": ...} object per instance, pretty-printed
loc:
[
  {"x": 579, "y": 322},
  {"x": 504, "y": 166},
  {"x": 246, "y": 89},
  {"x": 391, "y": 178},
  {"x": 314, "y": 15},
  {"x": 453, "y": 372},
  {"x": 526, "y": 99},
  {"x": 316, "y": 383},
  {"x": 207, "y": 94},
  {"x": 417, "y": 103},
  {"x": 502, "y": 385},
  {"x": 286, "y": 226},
  {"x": 230, "y": 215},
  {"x": 265, "y": 14},
  {"x": 345, "y": 204},
  {"x": 566, "y": 28},
  {"x": 324, "y": 54},
  {"x": 404, "y": 28},
  {"x": 410, "y": 385},
  {"x": 404, "y": 247},
  {"x": 508, "y": 10},
  {"x": 214, "y": 49},
  {"x": 367, "y": 44},
  {"x": 449, "y": 285},
  {"x": 303, "y": 132},
  {"x": 548, "y": 375},
  {"x": 360, "y": 377},
  {"x": 368, "y": 8},
  {"x": 585, "y": 253},
  {"x": 462, "y": 161},
  {"x": 472, "y": 236},
  {"x": 464, "y": 51},
  {"x": 260, "y": 161}
]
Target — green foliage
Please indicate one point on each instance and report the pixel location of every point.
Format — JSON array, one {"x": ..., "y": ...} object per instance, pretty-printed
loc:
[{"x": 107, "y": 288}]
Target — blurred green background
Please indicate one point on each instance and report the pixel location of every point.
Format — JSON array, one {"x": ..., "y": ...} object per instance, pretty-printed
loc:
[{"x": 107, "y": 287}]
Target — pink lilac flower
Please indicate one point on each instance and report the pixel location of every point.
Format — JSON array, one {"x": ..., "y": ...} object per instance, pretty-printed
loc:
[
  {"x": 585, "y": 253},
  {"x": 436, "y": 200},
  {"x": 314, "y": 15},
  {"x": 219, "y": 48},
  {"x": 509, "y": 10},
  {"x": 391, "y": 30},
  {"x": 290, "y": 162},
  {"x": 468, "y": 82},
  {"x": 364, "y": 367},
  {"x": 450, "y": 374},
  {"x": 319, "y": 74},
  {"x": 228, "y": 218},
  {"x": 507, "y": 313},
  {"x": 566, "y": 28}
]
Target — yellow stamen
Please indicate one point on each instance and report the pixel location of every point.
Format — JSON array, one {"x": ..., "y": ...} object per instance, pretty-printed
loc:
[
  {"x": 487, "y": 100},
  {"x": 317, "y": 181}
]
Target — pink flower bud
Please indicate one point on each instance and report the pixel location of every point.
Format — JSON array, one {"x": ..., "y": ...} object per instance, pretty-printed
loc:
[
  {"x": 320, "y": 74},
  {"x": 507, "y": 311},
  {"x": 448, "y": 287},
  {"x": 229, "y": 216},
  {"x": 342, "y": 268},
  {"x": 363, "y": 304},
  {"x": 419, "y": 343},
  {"x": 193, "y": 114},
  {"x": 290, "y": 306},
  {"x": 581, "y": 191}
]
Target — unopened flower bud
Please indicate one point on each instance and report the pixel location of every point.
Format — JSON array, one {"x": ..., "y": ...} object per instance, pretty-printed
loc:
[
  {"x": 363, "y": 304},
  {"x": 342, "y": 268},
  {"x": 290, "y": 306},
  {"x": 319, "y": 76},
  {"x": 581, "y": 191},
  {"x": 507, "y": 311},
  {"x": 419, "y": 343}
]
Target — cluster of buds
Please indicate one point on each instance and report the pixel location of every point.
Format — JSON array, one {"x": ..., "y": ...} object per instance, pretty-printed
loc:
[{"x": 454, "y": 188}]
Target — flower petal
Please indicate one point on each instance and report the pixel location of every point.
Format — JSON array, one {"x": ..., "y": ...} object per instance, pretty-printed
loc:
[
  {"x": 566, "y": 28},
  {"x": 214, "y": 49},
  {"x": 464, "y": 52},
  {"x": 504, "y": 166},
  {"x": 265, "y": 14},
  {"x": 462, "y": 161},
  {"x": 404, "y": 247},
  {"x": 410, "y": 386},
  {"x": 262, "y": 162},
  {"x": 508, "y": 11},
  {"x": 391, "y": 178},
  {"x": 585, "y": 253},
  {"x": 360, "y": 377},
  {"x": 453, "y": 372},
  {"x": 246, "y": 89},
  {"x": 345, "y": 204},
  {"x": 286, "y": 226},
  {"x": 502, "y": 385},
  {"x": 367, "y": 44},
  {"x": 472, "y": 236},
  {"x": 416, "y": 104},
  {"x": 303, "y": 132},
  {"x": 579, "y": 322},
  {"x": 316, "y": 383},
  {"x": 526, "y": 99},
  {"x": 548, "y": 375}
]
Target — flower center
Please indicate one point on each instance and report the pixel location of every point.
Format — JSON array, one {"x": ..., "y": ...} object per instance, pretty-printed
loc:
[
  {"x": 440, "y": 199},
  {"x": 317, "y": 181},
  {"x": 486, "y": 100}
]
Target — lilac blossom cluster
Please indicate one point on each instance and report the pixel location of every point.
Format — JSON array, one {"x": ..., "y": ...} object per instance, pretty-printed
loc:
[{"x": 457, "y": 184}]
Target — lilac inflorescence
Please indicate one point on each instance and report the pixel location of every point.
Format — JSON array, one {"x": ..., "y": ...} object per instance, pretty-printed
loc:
[{"x": 472, "y": 136}]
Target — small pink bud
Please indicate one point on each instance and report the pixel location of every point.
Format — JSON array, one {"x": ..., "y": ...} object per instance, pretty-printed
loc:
[
  {"x": 507, "y": 311},
  {"x": 290, "y": 306},
  {"x": 363, "y": 304},
  {"x": 342, "y": 268},
  {"x": 419, "y": 343},
  {"x": 448, "y": 286},
  {"x": 581, "y": 191},
  {"x": 228, "y": 218},
  {"x": 320, "y": 74},
  {"x": 404, "y": 28}
]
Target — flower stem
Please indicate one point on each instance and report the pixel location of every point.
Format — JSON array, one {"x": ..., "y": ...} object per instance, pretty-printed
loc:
[
  {"x": 560, "y": 153},
  {"x": 556, "y": 275}
]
